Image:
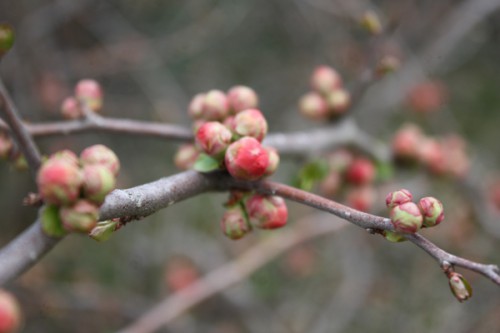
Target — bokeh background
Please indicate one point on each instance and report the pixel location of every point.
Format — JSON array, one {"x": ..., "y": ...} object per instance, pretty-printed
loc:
[{"x": 152, "y": 56}]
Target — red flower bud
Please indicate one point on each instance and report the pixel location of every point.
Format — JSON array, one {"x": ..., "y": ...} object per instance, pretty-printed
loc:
[
  {"x": 361, "y": 198},
  {"x": 432, "y": 210},
  {"x": 180, "y": 273},
  {"x": 5, "y": 145},
  {"x": 406, "y": 142},
  {"x": 70, "y": 109},
  {"x": 406, "y": 218},
  {"x": 397, "y": 198},
  {"x": 66, "y": 155},
  {"x": 186, "y": 156},
  {"x": 241, "y": 98},
  {"x": 274, "y": 161},
  {"x": 234, "y": 223},
  {"x": 10, "y": 313},
  {"x": 246, "y": 159},
  {"x": 195, "y": 109},
  {"x": 338, "y": 101},
  {"x": 460, "y": 287},
  {"x": 267, "y": 211},
  {"x": 89, "y": 92},
  {"x": 213, "y": 138},
  {"x": 80, "y": 217},
  {"x": 59, "y": 181},
  {"x": 325, "y": 79},
  {"x": 102, "y": 155},
  {"x": 215, "y": 105},
  {"x": 313, "y": 106},
  {"x": 361, "y": 172},
  {"x": 252, "y": 123},
  {"x": 98, "y": 181}
]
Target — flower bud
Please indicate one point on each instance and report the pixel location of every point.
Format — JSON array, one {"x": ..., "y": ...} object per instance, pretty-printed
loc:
[
  {"x": 406, "y": 218},
  {"x": 80, "y": 217},
  {"x": 59, "y": 181},
  {"x": 361, "y": 198},
  {"x": 427, "y": 97},
  {"x": 325, "y": 79},
  {"x": 388, "y": 64},
  {"x": 215, "y": 105},
  {"x": 6, "y": 38},
  {"x": 406, "y": 142},
  {"x": 241, "y": 98},
  {"x": 213, "y": 138},
  {"x": 432, "y": 211},
  {"x": 338, "y": 101},
  {"x": 371, "y": 23},
  {"x": 100, "y": 154},
  {"x": 313, "y": 106},
  {"x": 393, "y": 237},
  {"x": 460, "y": 287},
  {"x": 98, "y": 181},
  {"x": 246, "y": 159},
  {"x": 197, "y": 124},
  {"x": 10, "y": 313},
  {"x": 65, "y": 155},
  {"x": 89, "y": 92},
  {"x": 51, "y": 221},
  {"x": 360, "y": 172},
  {"x": 103, "y": 230},
  {"x": 433, "y": 155},
  {"x": 340, "y": 160},
  {"x": 180, "y": 273},
  {"x": 70, "y": 109},
  {"x": 267, "y": 211},
  {"x": 234, "y": 223},
  {"x": 397, "y": 198},
  {"x": 195, "y": 108},
  {"x": 274, "y": 161},
  {"x": 252, "y": 123},
  {"x": 186, "y": 156},
  {"x": 5, "y": 145},
  {"x": 331, "y": 184}
]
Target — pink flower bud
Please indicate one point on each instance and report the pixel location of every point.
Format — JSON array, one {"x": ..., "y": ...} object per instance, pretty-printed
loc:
[
  {"x": 59, "y": 181},
  {"x": 66, "y": 155},
  {"x": 246, "y": 159},
  {"x": 241, "y": 98},
  {"x": 361, "y": 198},
  {"x": 331, "y": 184},
  {"x": 325, "y": 79},
  {"x": 80, "y": 217},
  {"x": 5, "y": 145},
  {"x": 338, "y": 101},
  {"x": 267, "y": 211},
  {"x": 361, "y": 172},
  {"x": 197, "y": 124},
  {"x": 252, "y": 123},
  {"x": 234, "y": 223},
  {"x": 70, "y": 109},
  {"x": 10, "y": 313},
  {"x": 215, "y": 105},
  {"x": 274, "y": 161},
  {"x": 460, "y": 287},
  {"x": 427, "y": 97},
  {"x": 406, "y": 142},
  {"x": 371, "y": 23},
  {"x": 397, "y": 198},
  {"x": 102, "y": 155},
  {"x": 313, "y": 106},
  {"x": 195, "y": 109},
  {"x": 89, "y": 92},
  {"x": 230, "y": 124},
  {"x": 406, "y": 218},
  {"x": 98, "y": 181},
  {"x": 213, "y": 138},
  {"x": 432, "y": 210},
  {"x": 186, "y": 156},
  {"x": 433, "y": 156},
  {"x": 180, "y": 273}
]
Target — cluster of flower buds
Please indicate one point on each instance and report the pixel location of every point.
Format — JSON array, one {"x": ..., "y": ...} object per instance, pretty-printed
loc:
[
  {"x": 351, "y": 176},
  {"x": 445, "y": 156},
  {"x": 10, "y": 313},
  {"x": 74, "y": 188},
  {"x": 328, "y": 99},
  {"x": 88, "y": 93},
  {"x": 246, "y": 210},
  {"x": 427, "y": 97},
  {"x": 408, "y": 217}
]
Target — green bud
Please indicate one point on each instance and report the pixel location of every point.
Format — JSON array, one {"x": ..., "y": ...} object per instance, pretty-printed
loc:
[
  {"x": 6, "y": 38},
  {"x": 51, "y": 222},
  {"x": 393, "y": 237},
  {"x": 103, "y": 230}
]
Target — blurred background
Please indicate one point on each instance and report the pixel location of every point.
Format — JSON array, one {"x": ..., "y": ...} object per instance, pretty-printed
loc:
[{"x": 152, "y": 56}]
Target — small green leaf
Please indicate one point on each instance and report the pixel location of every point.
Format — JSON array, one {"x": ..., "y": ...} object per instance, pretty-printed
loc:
[
  {"x": 206, "y": 163},
  {"x": 51, "y": 222},
  {"x": 103, "y": 230},
  {"x": 312, "y": 173}
]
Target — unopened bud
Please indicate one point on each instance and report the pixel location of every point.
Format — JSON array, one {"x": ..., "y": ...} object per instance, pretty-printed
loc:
[
  {"x": 361, "y": 198},
  {"x": 80, "y": 217},
  {"x": 387, "y": 65},
  {"x": 98, "y": 181},
  {"x": 361, "y": 171},
  {"x": 234, "y": 223},
  {"x": 102, "y": 155},
  {"x": 213, "y": 138},
  {"x": 59, "y": 181},
  {"x": 325, "y": 79},
  {"x": 312, "y": 105},
  {"x": 406, "y": 218},
  {"x": 70, "y": 109},
  {"x": 371, "y": 23},
  {"x": 338, "y": 101},
  {"x": 394, "y": 237},
  {"x": 433, "y": 156},
  {"x": 460, "y": 287},
  {"x": 397, "y": 198},
  {"x": 432, "y": 211},
  {"x": 267, "y": 211},
  {"x": 10, "y": 313},
  {"x": 215, "y": 105},
  {"x": 340, "y": 160},
  {"x": 65, "y": 155},
  {"x": 195, "y": 109},
  {"x": 274, "y": 161},
  {"x": 246, "y": 159},
  {"x": 89, "y": 92},
  {"x": 241, "y": 98},
  {"x": 186, "y": 156},
  {"x": 103, "y": 230},
  {"x": 6, "y": 38},
  {"x": 252, "y": 123},
  {"x": 427, "y": 97},
  {"x": 406, "y": 143}
]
